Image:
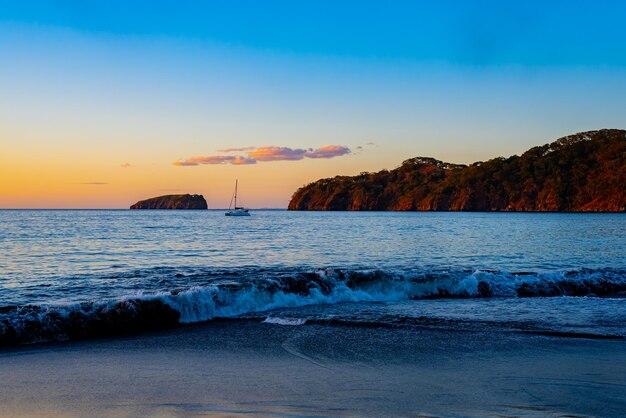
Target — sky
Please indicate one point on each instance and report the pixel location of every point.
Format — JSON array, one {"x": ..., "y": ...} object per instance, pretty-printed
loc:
[{"x": 104, "y": 103}]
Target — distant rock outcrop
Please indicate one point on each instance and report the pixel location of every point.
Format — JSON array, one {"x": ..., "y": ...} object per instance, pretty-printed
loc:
[
  {"x": 173, "y": 201},
  {"x": 585, "y": 172}
]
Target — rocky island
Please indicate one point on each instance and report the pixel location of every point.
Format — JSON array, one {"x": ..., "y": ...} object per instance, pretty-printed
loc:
[
  {"x": 173, "y": 201},
  {"x": 585, "y": 172}
]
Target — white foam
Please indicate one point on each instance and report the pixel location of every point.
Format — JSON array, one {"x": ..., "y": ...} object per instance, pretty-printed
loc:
[
  {"x": 199, "y": 304},
  {"x": 284, "y": 321},
  {"x": 203, "y": 303}
]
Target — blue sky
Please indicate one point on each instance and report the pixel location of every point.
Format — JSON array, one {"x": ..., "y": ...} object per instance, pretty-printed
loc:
[
  {"x": 535, "y": 33},
  {"x": 94, "y": 85}
]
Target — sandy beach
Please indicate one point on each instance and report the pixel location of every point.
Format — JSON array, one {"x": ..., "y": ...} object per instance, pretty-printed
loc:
[{"x": 244, "y": 367}]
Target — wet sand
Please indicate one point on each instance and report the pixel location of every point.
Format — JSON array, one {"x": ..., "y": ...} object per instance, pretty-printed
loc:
[{"x": 239, "y": 367}]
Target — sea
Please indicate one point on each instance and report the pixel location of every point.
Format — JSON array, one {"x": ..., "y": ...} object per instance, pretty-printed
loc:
[{"x": 77, "y": 274}]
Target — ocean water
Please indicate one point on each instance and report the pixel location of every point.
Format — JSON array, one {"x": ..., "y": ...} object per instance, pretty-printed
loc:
[{"x": 68, "y": 274}]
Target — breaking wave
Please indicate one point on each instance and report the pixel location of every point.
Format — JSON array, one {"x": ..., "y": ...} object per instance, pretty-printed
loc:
[{"x": 263, "y": 292}]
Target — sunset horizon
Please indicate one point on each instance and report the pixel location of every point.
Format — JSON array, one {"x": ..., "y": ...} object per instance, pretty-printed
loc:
[
  {"x": 104, "y": 106},
  {"x": 218, "y": 195}
]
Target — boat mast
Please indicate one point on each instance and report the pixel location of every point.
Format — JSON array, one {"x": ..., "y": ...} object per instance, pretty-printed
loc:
[{"x": 236, "y": 181}]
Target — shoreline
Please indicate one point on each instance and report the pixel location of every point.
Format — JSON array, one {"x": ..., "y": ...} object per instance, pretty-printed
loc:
[
  {"x": 590, "y": 212},
  {"x": 243, "y": 367}
]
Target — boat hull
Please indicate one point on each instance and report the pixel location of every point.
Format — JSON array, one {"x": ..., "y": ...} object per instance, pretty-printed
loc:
[{"x": 237, "y": 213}]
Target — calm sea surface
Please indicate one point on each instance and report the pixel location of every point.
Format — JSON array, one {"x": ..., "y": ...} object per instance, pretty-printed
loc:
[{"x": 552, "y": 271}]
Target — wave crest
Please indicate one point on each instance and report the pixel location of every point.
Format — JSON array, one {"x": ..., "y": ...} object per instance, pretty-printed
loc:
[{"x": 263, "y": 292}]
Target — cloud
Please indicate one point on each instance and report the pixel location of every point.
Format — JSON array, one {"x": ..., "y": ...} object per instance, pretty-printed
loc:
[
  {"x": 239, "y": 160},
  {"x": 371, "y": 144},
  {"x": 328, "y": 151},
  {"x": 215, "y": 159},
  {"x": 277, "y": 154},
  {"x": 183, "y": 163},
  {"x": 205, "y": 159},
  {"x": 126, "y": 165},
  {"x": 265, "y": 154},
  {"x": 236, "y": 149}
]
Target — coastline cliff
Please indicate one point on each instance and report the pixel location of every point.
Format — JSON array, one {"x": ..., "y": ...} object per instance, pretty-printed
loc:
[
  {"x": 173, "y": 201},
  {"x": 584, "y": 172}
]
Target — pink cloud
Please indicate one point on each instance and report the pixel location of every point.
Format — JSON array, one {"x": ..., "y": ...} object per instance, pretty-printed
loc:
[
  {"x": 215, "y": 159},
  {"x": 236, "y": 149},
  {"x": 239, "y": 160},
  {"x": 270, "y": 153},
  {"x": 328, "y": 151},
  {"x": 126, "y": 165},
  {"x": 184, "y": 163},
  {"x": 204, "y": 159},
  {"x": 277, "y": 154}
]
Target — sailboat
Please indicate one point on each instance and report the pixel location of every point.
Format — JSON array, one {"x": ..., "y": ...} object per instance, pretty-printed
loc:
[{"x": 237, "y": 211}]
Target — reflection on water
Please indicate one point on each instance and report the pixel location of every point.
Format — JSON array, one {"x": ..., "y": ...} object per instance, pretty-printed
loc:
[{"x": 40, "y": 244}]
